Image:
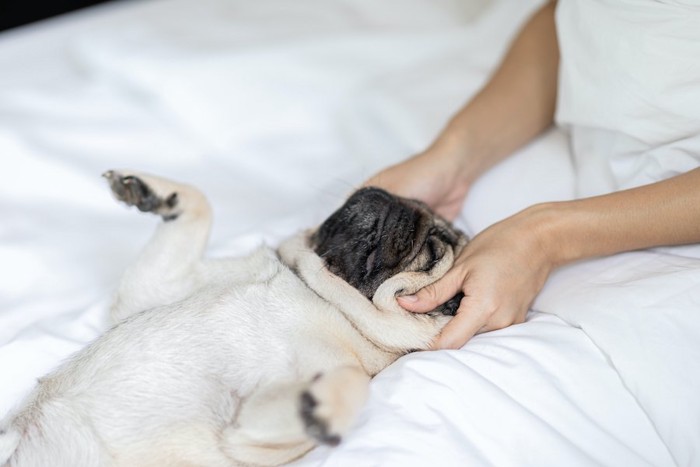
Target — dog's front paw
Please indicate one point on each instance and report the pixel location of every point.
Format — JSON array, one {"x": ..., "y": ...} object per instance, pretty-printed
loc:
[
  {"x": 331, "y": 402},
  {"x": 148, "y": 194}
]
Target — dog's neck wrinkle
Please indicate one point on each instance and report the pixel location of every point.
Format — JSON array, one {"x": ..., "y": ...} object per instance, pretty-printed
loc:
[
  {"x": 393, "y": 353},
  {"x": 369, "y": 353},
  {"x": 381, "y": 322}
]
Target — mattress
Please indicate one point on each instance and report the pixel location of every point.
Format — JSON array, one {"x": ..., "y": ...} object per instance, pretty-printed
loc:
[{"x": 277, "y": 110}]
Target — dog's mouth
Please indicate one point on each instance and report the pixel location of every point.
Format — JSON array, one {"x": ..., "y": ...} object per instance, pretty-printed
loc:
[{"x": 376, "y": 235}]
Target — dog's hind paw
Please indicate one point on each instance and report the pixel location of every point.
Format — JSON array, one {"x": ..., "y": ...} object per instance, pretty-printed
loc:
[
  {"x": 331, "y": 402},
  {"x": 316, "y": 427},
  {"x": 142, "y": 191}
]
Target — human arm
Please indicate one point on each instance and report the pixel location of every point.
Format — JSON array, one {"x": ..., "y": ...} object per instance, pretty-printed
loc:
[
  {"x": 515, "y": 105},
  {"x": 503, "y": 269}
]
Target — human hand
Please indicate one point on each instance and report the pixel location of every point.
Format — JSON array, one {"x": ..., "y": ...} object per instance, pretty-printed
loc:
[
  {"x": 500, "y": 272},
  {"x": 440, "y": 177}
]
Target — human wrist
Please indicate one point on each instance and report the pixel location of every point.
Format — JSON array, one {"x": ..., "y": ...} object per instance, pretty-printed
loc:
[
  {"x": 544, "y": 223},
  {"x": 457, "y": 149},
  {"x": 560, "y": 228}
]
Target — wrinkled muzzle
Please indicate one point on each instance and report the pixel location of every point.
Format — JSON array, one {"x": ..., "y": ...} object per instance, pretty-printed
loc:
[{"x": 376, "y": 236}]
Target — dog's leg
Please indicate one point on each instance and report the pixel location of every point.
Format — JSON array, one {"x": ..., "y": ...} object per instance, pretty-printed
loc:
[
  {"x": 332, "y": 401},
  {"x": 166, "y": 270},
  {"x": 268, "y": 429},
  {"x": 280, "y": 423}
]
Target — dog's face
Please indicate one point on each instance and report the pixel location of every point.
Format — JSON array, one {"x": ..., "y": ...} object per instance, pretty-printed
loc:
[{"x": 376, "y": 235}]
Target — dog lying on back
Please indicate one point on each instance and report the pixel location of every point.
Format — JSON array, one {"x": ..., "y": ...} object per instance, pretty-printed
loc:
[{"x": 238, "y": 361}]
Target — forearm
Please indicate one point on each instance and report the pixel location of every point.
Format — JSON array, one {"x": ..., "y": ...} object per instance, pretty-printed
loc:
[
  {"x": 515, "y": 105},
  {"x": 660, "y": 214}
]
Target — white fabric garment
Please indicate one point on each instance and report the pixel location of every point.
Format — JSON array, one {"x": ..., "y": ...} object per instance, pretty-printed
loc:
[
  {"x": 629, "y": 90},
  {"x": 630, "y": 98}
]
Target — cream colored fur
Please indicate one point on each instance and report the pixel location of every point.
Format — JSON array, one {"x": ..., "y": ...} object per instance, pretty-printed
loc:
[{"x": 240, "y": 361}]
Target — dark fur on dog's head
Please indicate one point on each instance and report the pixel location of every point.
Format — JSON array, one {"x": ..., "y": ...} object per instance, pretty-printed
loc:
[{"x": 375, "y": 235}]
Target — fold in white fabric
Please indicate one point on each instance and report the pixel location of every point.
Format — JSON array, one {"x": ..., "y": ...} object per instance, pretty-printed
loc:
[
  {"x": 629, "y": 86},
  {"x": 629, "y": 93}
]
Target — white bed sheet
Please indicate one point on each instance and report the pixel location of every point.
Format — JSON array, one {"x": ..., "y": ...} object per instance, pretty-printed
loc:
[{"x": 277, "y": 110}]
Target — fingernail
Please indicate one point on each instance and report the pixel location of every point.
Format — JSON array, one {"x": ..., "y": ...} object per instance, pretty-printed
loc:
[{"x": 409, "y": 298}]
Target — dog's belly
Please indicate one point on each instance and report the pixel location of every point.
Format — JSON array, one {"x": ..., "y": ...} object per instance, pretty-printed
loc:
[
  {"x": 178, "y": 375},
  {"x": 195, "y": 360}
]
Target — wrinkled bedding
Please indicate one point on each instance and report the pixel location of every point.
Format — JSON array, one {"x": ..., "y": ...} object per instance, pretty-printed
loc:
[{"x": 277, "y": 110}]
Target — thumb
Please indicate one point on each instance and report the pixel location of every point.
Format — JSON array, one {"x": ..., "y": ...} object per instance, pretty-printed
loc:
[{"x": 431, "y": 296}]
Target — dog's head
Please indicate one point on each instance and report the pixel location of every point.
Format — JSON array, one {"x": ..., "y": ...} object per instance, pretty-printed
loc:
[
  {"x": 375, "y": 247},
  {"x": 376, "y": 235}
]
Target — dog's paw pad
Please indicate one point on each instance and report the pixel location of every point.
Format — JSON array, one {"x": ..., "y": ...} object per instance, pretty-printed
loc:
[
  {"x": 331, "y": 401},
  {"x": 136, "y": 191},
  {"x": 316, "y": 426}
]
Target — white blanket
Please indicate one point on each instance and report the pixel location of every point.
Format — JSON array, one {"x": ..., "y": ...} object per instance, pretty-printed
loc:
[{"x": 277, "y": 110}]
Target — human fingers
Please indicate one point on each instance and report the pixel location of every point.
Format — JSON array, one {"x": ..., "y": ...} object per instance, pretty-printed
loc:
[
  {"x": 380, "y": 179},
  {"x": 477, "y": 316},
  {"x": 465, "y": 325},
  {"x": 431, "y": 296},
  {"x": 398, "y": 178}
]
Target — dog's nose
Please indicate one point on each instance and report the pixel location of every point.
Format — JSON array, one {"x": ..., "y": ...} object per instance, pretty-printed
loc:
[{"x": 450, "y": 307}]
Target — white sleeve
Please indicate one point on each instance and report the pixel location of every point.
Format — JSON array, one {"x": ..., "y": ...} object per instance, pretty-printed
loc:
[{"x": 628, "y": 90}]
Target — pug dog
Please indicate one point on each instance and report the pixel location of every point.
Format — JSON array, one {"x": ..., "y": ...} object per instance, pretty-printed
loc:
[{"x": 238, "y": 361}]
